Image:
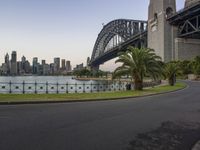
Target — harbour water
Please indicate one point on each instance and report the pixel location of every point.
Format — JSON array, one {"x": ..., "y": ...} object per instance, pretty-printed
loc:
[{"x": 42, "y": 79}]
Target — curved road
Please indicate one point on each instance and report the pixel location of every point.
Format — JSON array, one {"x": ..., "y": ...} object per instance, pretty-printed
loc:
[{"x": 105, "y": 125}]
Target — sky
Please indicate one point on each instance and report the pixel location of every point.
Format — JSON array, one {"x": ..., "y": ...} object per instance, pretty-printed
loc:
[{"x": 61, "y": 28}]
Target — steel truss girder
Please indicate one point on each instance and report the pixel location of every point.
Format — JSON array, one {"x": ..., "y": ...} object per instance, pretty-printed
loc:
[
  {"x": 121, "y": 27},
  {"x": 189, "y": 27},
  {"x": 139, "y": 40}
]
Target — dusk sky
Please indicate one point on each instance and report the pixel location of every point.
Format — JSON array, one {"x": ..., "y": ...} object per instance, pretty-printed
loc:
[{"x": 61, "y": 28}]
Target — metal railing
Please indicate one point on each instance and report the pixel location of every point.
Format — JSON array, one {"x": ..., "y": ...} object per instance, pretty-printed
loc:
[{"x": 58, "y": 88}]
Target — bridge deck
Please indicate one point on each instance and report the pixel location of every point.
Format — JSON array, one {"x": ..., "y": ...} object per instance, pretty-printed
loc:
[{"x": 185, "y": 14}]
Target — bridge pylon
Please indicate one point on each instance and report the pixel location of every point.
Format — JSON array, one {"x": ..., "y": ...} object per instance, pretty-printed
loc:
[{"x": 161, "y": 34}]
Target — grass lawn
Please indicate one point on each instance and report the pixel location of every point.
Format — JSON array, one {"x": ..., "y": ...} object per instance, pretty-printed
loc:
[{"x": 87, "y": 96}]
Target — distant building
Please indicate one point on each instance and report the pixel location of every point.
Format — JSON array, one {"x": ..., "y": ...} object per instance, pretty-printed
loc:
[
  {"x": 13, "y": 69},
  {"x": 56, "y": 65},
  {"x": 7, "y": 63},
  {"x": 79, "y": 67},
  {"x": 27, "y": 67},
  {"x": 43, "y": 62},
  {"x": 1, "y": 71},
  {"x": 88, "y": 61},
  {"x": 46, "y": 69},
  {"x": 68, "y": 66},
  {"x": 52, "y": 69},
  {"x": 5, "y": 68},
  {"x": 40, "y": 69},
  {"x": 20, "y": 70},
  {"x": 35, "y": 65},
  {"x": 23, "y": 61},
  {"x": 88, "y": 64},
  {"x": 63, "y": 62}
]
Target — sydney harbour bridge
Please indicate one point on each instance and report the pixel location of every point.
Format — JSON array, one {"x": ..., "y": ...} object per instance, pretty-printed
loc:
[{"x": 176, "y": 26}]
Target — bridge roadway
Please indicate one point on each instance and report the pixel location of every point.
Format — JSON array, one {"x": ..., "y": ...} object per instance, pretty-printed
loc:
[{"x": 104, "y": 125}]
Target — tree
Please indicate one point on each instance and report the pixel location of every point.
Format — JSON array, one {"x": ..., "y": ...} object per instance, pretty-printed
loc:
[
  {"x": 82, "y": 72},
  {"x": 196, "y": 65},
  {"x": 170, "y": 71},
  {"x": 185, "y": 67},
  {"x": 138, "y": 63}
]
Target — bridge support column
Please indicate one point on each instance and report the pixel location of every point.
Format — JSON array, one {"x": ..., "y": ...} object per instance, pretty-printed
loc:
[{"x": 161, "y": 34}]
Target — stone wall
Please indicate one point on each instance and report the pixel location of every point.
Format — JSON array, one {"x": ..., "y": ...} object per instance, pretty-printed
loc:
[{"x": 186, "y": 49}]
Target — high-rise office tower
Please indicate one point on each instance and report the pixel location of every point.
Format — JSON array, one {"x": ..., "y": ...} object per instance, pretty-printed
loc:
[
  {"x": 7, "y": 65},
  {"x": 68, "y": 66},
  {"x": 23, "y": 61},
  {"x": 63, "y": 62},
  {"x": 13, "y": 69},
  {"x": 43, "y": 62},
  {"x": 56, "y": 65},
  {"x": 35, "y": 65}
]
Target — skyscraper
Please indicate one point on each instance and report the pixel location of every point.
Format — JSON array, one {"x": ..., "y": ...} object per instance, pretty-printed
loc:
[
  {"x": 46, "y": 69},
  {"x": 7, "y": 58},
  {"x": 88, "y": 61},
  {"x": 56, "y": 65},
  {"x": 35, "y": 65},
  {"x": 52, "y": 68},
  {"x": 13, "y": 69},
  {"x": 23, "y": 61},
  {"x": 68, "y": 66},
  {"x": 20, "y": 70},
  {"x": 43, "y": 67},
  {"x": 63, "y": 64},
  {"x": 7, "y": 65},
  {"x": 27, "y": 67},
  {"x": 43, "y": 62}
]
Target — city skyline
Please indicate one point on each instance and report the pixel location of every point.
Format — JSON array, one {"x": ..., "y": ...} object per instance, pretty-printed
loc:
[
  {"x": 22, "y": 66},
  {"x": 19, "y": 58},
  {"x": 56, "y": 29}
]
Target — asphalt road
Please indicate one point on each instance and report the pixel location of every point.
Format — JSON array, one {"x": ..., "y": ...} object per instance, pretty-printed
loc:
[{"x": 105, "y": 125}]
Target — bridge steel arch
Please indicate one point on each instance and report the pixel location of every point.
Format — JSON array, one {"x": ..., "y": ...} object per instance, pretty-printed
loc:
[{"x": 123, "y": 32}]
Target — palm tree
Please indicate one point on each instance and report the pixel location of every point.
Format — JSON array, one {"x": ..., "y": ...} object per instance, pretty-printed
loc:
[
  {"x": 170, "y": 72},
  {"x": 138, "y": 63}
]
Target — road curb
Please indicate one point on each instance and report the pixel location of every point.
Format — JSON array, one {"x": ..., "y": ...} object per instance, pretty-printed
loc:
[{"x": 89, "y": 100}]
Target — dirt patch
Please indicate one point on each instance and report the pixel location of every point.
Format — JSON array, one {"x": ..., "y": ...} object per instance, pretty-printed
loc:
[{"x": 169, "y": 136}]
